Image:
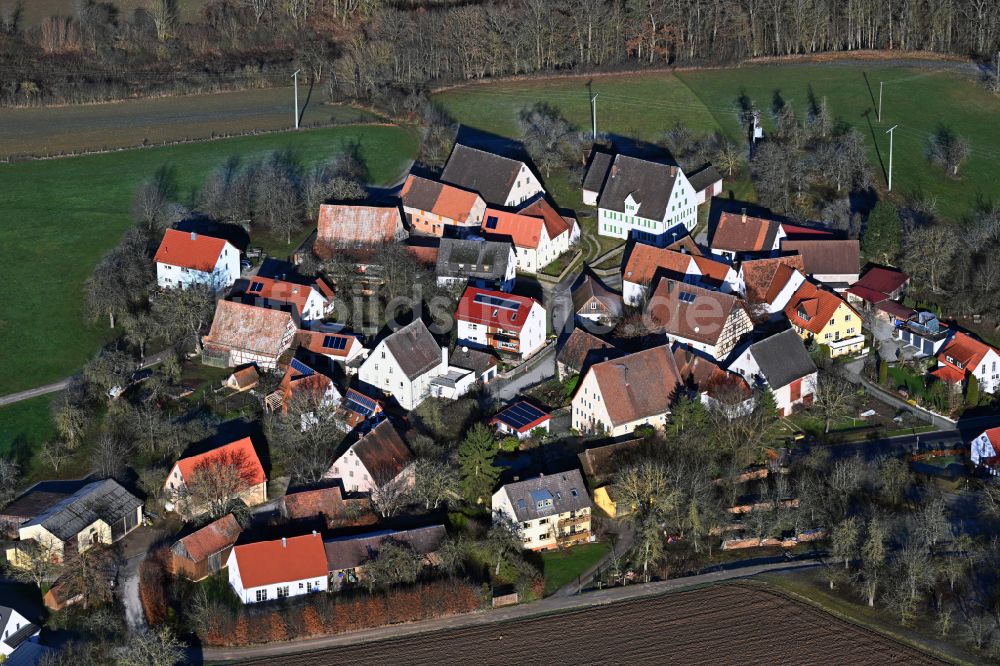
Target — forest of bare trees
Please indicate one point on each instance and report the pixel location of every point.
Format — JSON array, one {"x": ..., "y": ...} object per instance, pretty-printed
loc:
[{"x": 384, "y": 51}]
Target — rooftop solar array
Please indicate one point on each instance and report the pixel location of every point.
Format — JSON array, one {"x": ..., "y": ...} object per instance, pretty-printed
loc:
[
  {"x": 302, "y": 368},
  {"x": 361, "y": 404},
  {"x": 335, "y": 342},
  {"x": 496, "y": 301},
  {"x": 686, "y": 297},
  {"x": 255, "y": 287},
  {"x": 519, "y": 415},
  {"x": 491, "y": 222}
]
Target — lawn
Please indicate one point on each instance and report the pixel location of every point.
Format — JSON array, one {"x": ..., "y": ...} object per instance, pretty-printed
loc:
[
  {"x": 644, "y": 106},
  {"x": 564, "y": 566},
  {"x": 902, "y": 377},
  {"x": 24, "y": 426},
  {"x": 60, "y": 216}
]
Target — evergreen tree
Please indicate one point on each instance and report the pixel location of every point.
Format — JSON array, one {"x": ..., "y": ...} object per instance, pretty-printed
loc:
[
  {"x": 972, "y": 392},
  {"x": 883, "y": 372},
  {"x": 881, "y": 239},
  {"x": 475, "y": 460}
]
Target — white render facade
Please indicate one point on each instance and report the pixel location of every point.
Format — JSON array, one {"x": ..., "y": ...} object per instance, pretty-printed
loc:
[
  {"x": 523, "y": 343},
  {"x": 526, "y": 186},
  {"x": 981, "y": 449},
  {"x": 590, "y": 414},
  {"x": 746, "y": 366},
  {"x": 681, "y": 211},
  {"x": 15, "y": 622},
  {"x": 382, "y": 371},
  {"x": 253, "y": 595},
  {"x": 225, "y": 273},
  {"x": 540, "y": 533}
]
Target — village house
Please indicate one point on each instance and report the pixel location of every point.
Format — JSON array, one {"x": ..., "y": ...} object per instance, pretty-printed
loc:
[
  {"x": 15, "y": 631},
  {"x": 714, "y": 386},
  {"x": 738, "y": 236},
  {"x": 594, "y": 302},
  {"x": 521, "y": 420},
  {"x": 231, "y": 471},
  {"x": 984, "y": 451},
  {"x": 206, "y": 550},
  {"x": 496, "y": 320},
  {"x": 101, "y": 512},
  {"x": 403, "y": 364},
  {"x": 499, "y": 180},
  {"x": 341, "y": 348},
  {"x": 564, "y": 230},
  {"x": 551, "y": 510},
  {"x": 709, "y": 321},
  {"x": 326, "y": 508},
  {"x": 350, "y": 227},
  {"x": 482, "y": 364},
  {"x": 617, "y": 396},
  {"x": 768, "y": 284},
  {"x": 477, "y": 263},
  {"x": 534, "y": 248},
  {"x": 187, "y": 258},
  {"x": 242, "y": 334},
  {"x": 287, "y": 567},
  {"x": 242, "y": 379},
  {"x": 706, "y": 182},
  {"x": 378, "y": 459},
  {"x": 825, "y": 318},
  {"x": 359, "y": 412},
  {"x": 921, "y": 333},
  {"x": 832, "y": 262},
  {"x": 35, "y": 501},
  {"x": 644, "y": 200},
  {"x": 347, "y": 557},
  {"x": 964, "y": 357},
  {"x": 311, "y": 301},
  {"x": 432, "y": 207},
  {"x": 646, "y": 264},
  {"x": 580, "y": 350},
  {"x": 878, "y": 284},
  {"x": 312, "y": 390},
  {"x": 781, "y": 364}
]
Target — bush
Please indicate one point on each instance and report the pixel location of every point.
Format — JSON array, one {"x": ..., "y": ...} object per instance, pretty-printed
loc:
[{"x": 153, "y": 587}]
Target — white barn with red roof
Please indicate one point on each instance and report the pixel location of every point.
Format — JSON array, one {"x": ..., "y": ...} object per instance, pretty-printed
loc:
[
  {"x": 187, "y": 258},
  {"x": 984, "y": 451},
  {"x": 286, "y": 567},
  {"x": 501, "y": 321}
]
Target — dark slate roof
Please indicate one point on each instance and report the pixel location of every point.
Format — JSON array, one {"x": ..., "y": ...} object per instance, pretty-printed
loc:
[
  {"x": 476, "y": 259},
  {"x": 472, "y": 359},
  {"x": 21, "y": 635},
  {"x": 492, "y": 176},
  {"x": 649, "y": 183},
  {"x": 782, "y": 358},
  {"x": 703, "y": 177},
  {"x": 5, "y": 613},
  {"x": 41, "y": 496},
  {"x": 590, "y": 287},
  {"x": 597, "y": 171},
  {"x": 414, "y": 348},
  {"x": 566, "y": 490},
  {"x": 583, "y": 349},
  {"x": 105, "y": 500},
  {"x": 355, "y": 551}
]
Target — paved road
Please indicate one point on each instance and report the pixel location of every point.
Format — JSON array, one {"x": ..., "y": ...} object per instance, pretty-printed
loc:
[
  {"x": 548, "y": 605},
  {"x": 540, "y": 367},
  {"x": 61, "y": 385}
]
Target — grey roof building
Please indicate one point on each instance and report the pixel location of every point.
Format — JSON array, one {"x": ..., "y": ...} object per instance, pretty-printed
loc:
[
  {"x": 704, "y": 177},
  {"x": 649, "y": 184},
  {"x": 478, "y": 361},
  {"x": 469, "y": 259},
  {"x": 101, "y": 500},
  {"x": 782, "y": 358},
  {"x": 355, "y": 551},
  {"x": 414, "y": 348},
  {"x": 492, "y": 176},
  {"x": 34, "y": 501},
  {"x": 546, "y": 495}
]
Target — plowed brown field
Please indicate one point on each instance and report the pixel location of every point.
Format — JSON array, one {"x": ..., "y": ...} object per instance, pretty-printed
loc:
[{"x": 725, "y": 624}]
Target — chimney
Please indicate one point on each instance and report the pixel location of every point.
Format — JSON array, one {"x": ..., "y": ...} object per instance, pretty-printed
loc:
[
  {"x": 444, "y": 357},
  {"x": 673, "y": 172},
  {"x": 744, "y": 215},
  {"x": 284, "y": 542},
  {"x": 315, "y": 533},
  {"x": 194, "y": 235}
]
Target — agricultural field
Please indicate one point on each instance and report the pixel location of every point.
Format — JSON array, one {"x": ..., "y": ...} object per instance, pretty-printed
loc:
[
  {"x": 724, "y": 624},
  {"x": 60, "y": 216},
  {"x": 644, "y": 106},
  {"x": 91, "y": 127},
  {"x": 25, "y": 426}
]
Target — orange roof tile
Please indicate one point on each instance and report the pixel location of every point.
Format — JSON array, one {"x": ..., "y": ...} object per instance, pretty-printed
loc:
[
  {"x": 281, "y": 561},
  {"x": 818, "y": 306},
  {"x": 645, "y": 261},
  {"x": 343, "y": 226},
  {"x": 523, "y": 230},
  {"x": 639, "y": 385},
  {"x": 744, "y": 233},
  {"x": 239, "y": 453},
  {"x": 948, "y": 374},
  {"x": 555, "y": 224},
  {"x": 189, "y": 250},
  {"x": 281, "y": 291},
  {"x": 690, "y": 312},
  {"x": 329, "y": 503},
  {"x": 441, "y": 199},
  {"x": 965, "y": 349},
  {"x": 210, "y": 539},
  {"x": 764, "y": 278}
]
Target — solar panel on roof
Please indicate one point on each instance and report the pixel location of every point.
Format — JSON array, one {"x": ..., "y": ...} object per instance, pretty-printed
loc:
[
  {"x": 496, "y": 301},
  {"x": 491, "y": 222},
  {"x": 520, "y": 415},
  {"x": 255, "y": 287},
  {"x": 334, "y": 342},
  {"x": 686, "y": 297},
  {"x": 363, "y": 404},
  {"x": 301, "y": 367}
]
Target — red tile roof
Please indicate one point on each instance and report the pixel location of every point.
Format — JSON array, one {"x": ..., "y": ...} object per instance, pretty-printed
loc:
[
  {"x": 639, "y": 385},
  {"x": 817, "y": 304},
  {"x": 210, "y": 539},
  {"x": 248, "y": 327},
  {"x": 523, "y": 230},
  {"x": 331, "y": 505},
  {"x": 383, "y": 452},
  {"x": 966, "y": 350},
  {"x": 704, "y": 376},
  {"x": 281, "y": 561},
  {"x": 474, "y": 308},
  {"x": 555, "y": 224},
  {"x": 764, "y": 278},
  {"x": 513, "y": 417},
  {"x": 878, "y": 280},
  {"x": 297, "y": 383},
  {"x": 239, "y": 453},
  {"x": 691, "y": 312},
  {"x": 948, "y": 374},
  {"x": 280, "y": 291},
  {"x": 189, "y": 250},
  {"x": 313, "y": 341},
  {"x": 744, "y": 233},
  {"x": 342, "y": 226},
  {"x": 646, "y": 260},
  {"x": 993, "y": 435},
  {"x": 794, "y": 231},
  {"x": 441, "y": 199}
]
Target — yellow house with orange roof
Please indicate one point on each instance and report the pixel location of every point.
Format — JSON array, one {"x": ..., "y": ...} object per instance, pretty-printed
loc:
[{"x": 827, "y": 319}]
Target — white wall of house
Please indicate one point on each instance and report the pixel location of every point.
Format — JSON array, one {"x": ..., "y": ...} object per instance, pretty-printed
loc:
[
  {"x": 225, "y": 273},
  {"x": 681, "y": 211},
  {"x": 747, "y": 367},
  {"x": 530, "y": 338},
  {"x": 540, "y": 533},
  {"x": 736, "y": 327},
  {"x": 380, "y": 370},
  {"x": 349, "y": 468},
  {"x": 315, "y": 307},
  {"x": 292, "y": 588},
  {"x": 507, "y": 430},
  {"x": 988, "y": 372},
  {"x": 526, "y": 186},
  {"x": 590, "y": 414},
  {"x": 15, "y": 621}
]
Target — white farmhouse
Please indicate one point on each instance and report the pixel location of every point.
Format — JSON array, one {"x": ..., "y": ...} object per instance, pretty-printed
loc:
[
  {"x": 186, "y": 258},
  {"x": 550, "y": 510},
  {"x": 984, "y": 451},
  {"x": 404, "y": 363},
  {"x": 243, "y": 334},
  {"x": 378, "y": 458},
  {"x": 781, "y": 364},
  {"x": 645, "y": 200},
  {"x": 499, "y": 180},
  {"x": 311, "y": 301},
  {"x": 496, "y": 320},
  {"x": 288, "y": 567}
]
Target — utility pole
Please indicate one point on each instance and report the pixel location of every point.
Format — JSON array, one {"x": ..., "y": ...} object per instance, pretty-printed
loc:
[
  {"x": 889, "y": 132},
  {"x": 880, "y": 101},
  {"x": 593, "y": 113},
  {"x": 296, "y": 77}
]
